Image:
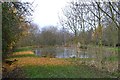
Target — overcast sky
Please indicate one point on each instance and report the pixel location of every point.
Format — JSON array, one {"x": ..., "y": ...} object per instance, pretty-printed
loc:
[{"x": 46, "y": 11}]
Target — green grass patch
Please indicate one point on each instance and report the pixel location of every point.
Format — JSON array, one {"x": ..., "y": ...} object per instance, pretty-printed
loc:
[
  {"x": 114, "y": 48},
  {"x": 71, "y": 71},
  {"x": 23, "y": 49},
  {"x": 77, "y": 59},
  {"x": 106, "y": 47},
  {"x": 112, "y": 58},
  {"x": 24, "y": 55}
]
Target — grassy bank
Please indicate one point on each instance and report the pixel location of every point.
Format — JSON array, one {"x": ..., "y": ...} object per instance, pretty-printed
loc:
[
  {"x": 61, "y": 71},
  {"x": 23, "y": 49},
  {"x": 112, "y": 58},
  {"x": 38, "y": 67}
]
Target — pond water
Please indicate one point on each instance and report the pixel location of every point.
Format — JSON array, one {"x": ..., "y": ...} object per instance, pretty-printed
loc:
[{"x": 62, "y": 53}]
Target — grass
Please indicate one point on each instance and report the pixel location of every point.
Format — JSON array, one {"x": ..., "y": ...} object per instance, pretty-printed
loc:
[
  {"x": 36, "y": 67},
  {"x": 114, "y": 48},
  {"x": 107, "y": 47},
  {"x": 78, "y": 59},
  {"x": 25, "y": 55},
  {"x": 23, "y": 49},
  {"x": 73, "y": 71},
  {"x": 22, "y": 53},
  {"x": 112, "y": 58}
]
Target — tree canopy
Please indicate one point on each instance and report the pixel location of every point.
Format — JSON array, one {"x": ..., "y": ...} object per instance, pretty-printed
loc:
[{"x": 14, "y": 23}]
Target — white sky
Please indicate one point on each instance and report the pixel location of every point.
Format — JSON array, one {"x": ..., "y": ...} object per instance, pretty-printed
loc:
[{"x": 46, "y": 11}]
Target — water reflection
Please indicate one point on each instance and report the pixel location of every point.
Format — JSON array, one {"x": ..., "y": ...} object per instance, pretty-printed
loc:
[{"x": 62, "y": 53}]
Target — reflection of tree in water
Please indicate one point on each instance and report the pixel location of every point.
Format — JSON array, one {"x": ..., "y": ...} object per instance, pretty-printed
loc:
[
  {"x": 65, "y": 53},
  {"x": 61, "y": 53},
  {"x": 48, "y": 52}
]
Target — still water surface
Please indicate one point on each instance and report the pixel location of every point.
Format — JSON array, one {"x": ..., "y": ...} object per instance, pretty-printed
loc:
[{"x": 62, "y": 53}]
